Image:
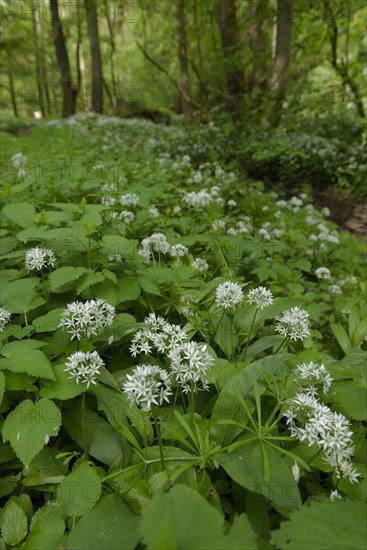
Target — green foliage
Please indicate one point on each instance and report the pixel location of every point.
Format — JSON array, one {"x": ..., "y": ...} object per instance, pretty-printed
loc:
[
  {"x": 329, "y": 525},
  {"x": 216, "y": 467}
]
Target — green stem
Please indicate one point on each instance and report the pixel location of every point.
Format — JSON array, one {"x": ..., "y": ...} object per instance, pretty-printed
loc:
[
  {"x": 281, "y": 345},
  {"x": 192, "y": 402},
  {"x": 84, "y": 429},
  {"x": 249, "y": 336},
  {"x": 159, "y": 436}
]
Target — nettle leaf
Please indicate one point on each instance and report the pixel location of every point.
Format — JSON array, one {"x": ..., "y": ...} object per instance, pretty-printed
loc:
[
  {"x": 29, "y": 426},
  {"x": 48, "y": 322},
  {"x": 22, "y": 357},
  {"x": 115, "y": 244},
  {"x": 62, "y": 278},
  {"x": 14, "y": 524},
  {"x": 20, "y": 296},
  {"x": 127, "y": 289},
  {"x": 182, "y": 519},
  {"x": 21, "y": 213},
  {"x": 46, "y": 534},
  {"x": 79, "y": 491},
  {"x": 44, "y": 468},
  {"x": 328, "y": 525},
  {"x": 64, "y": 386},
  {"x": 350, "y": 399},
  {"x": 88, "y": 279}
]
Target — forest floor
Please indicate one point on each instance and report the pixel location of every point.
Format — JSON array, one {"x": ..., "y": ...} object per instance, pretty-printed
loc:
[{"x": 347, "y": 212}]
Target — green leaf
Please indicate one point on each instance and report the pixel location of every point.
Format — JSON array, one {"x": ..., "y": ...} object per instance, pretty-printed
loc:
[
  {"x": 29, "y": 426},
  {"x": 46, "y": 534},
  {"x": 350, "y": 399},
  {"x": 2, "y": 386},
  {"x": 44, "y": 468},
  {"x": 88, "y": 279},
  {"x": 245, "y": 465},
  {"x": 21, "y": 357},
  {"x": 48, "y": 322},
  {"x": 127, "y": 289},
  {"x": 20, "y": 296},
  {"x": 79, "y": 491},
  {"x": 115, "y": 244},
  {"x": 64, "y": 387},
  {"x": 14, "y": 525},
  {"x": 341, "y": 335},
  {"x": 103, "y": 441},
  {"x": 328, "y": 525},
  {"x": 21, "y": 213},
  {"x": 61, "y": 278},
  {"x": 111, "y": 524},
  {"x": 182, "y": 520}
]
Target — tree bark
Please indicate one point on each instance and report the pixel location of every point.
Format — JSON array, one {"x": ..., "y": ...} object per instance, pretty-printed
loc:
[
  {"x": 111, "y": 56},
  {"x": 184, "y": 66},
  {"x": 258, "y": 41},
  {"x": 282, "y": 56},
  {"x": 38, "y": 61},
  {"x": 11, "y": 89},
  {"x": 68, "y": 94},
  {"x": 232, "y": 53},
  {"x": 95, "y": 51}
]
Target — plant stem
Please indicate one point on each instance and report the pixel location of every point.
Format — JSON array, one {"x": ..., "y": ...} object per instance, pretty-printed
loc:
[
  {"x": 160, "y": 443},
  {"x": 281, "y": 345},
  {"x": 249, "y": 336},
  {"x": 84, "y": 428}
]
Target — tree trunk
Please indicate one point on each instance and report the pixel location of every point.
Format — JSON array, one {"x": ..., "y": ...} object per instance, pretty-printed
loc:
[
  {"x": 68, "y": 96},
  {"x": 258, "y": 41},
  {"x": 11, "y": 89},
  {"x": 95, "y": 52},
  {"x": 111, "y": 56},
  {"x": 184, "y": 66},
  {"x": 282, "y": 56},
  {"x": 232, "y": 53},
  {"x": 38, "y": 62}
]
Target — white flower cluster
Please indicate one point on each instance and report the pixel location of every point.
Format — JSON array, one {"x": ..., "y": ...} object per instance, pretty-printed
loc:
[
  {"x": 84, "y": 367},
  {"x": 86, "y": 318},
  {"x": 154, "y": 212},
  {"x": 38, "y": 258},
  {"x": 19, "y": 162},
  {"x": 315, "y": 423},
  {"x": 294, "y": 324},
  {"x": 157, "y": 242},
  {"x": 188, "y": 361},
  {"x": 313, "y": 374},
  {"x": 189, "y": 364},
  {"x": 148, "y": 385},
  {"x": 200, "y": 265},
  {"x": 228, "y": 295},
  {"x": 260, "y": 296},
  {"x": 130, "y": 199},
  {"x": 323, "y": 273},
  {"x": 178, "y": 250},
  {"x": 198, "y": 199},
  {"x": 4, "y": 318},
  {"x": 158, "y": 334}
]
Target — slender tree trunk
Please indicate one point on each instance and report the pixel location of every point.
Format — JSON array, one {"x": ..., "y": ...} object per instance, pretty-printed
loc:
[
  {"x": 184, "y": 66},
  {"x": 68, "y": 97},
  {"x": 111, "y": 57},
  {"x": 232, "y": 53},
  {"x": 95, "y": 51},
  {"x": 258, "y": 41},
  {"x": 341, "y": 68},
  {"x": 38, "y": 61},
  {"x": 11, "y": 88},
  {"x": 282, "y": 56}
]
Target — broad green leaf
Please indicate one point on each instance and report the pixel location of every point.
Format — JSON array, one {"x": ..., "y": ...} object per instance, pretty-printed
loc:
[
  {"x": 2, "y": 386},
  {"x": 104, "y": 443},
  {"x": 14, "y": 524},
  {"x": 46, "y": 534},
  {"x": 111, "y": 524},
  {"x": 127, "y": 289},
  {"x": 337, "y": 525},
  {"x": 48, "y": 322},
  {"x": 61, "y": 278},
  {"x": 350, "y": 399},
  {"x": 64, "y": 387},
  {"x": 20, "y": 296},
  {"x": 21, "y": 357},
  {"x": 29, "y": 426},
  {"x": 22, "y": 213},
  {"x": 183, "y": 520},
  {"x": 44, "y": 468},
  {"x": 341, "y": 335},
  {"x": 115, "y": 244},
  {"x": 88, "y": 279},
  {"x": 79, "y": 491},
  {"x": 245, "y": 465}
]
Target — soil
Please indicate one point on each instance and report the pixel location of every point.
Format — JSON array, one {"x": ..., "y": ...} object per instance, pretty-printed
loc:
[{"x": 348, "y": 213}]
